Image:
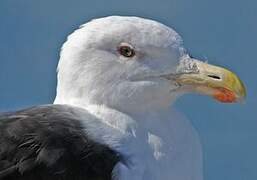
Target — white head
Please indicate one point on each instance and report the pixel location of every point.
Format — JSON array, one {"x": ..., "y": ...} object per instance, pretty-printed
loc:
[{"x": 133, "y": 64}]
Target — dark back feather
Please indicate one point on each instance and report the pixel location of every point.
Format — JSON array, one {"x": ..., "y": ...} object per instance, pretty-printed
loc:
[{"x": 48, "y": 143}]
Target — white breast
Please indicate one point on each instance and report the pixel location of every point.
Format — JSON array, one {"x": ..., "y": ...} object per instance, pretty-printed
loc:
[{"x": 162, "y": 146}]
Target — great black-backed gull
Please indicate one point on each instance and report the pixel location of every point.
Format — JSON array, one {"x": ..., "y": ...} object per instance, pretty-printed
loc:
[{"x": 112, "y": 117}]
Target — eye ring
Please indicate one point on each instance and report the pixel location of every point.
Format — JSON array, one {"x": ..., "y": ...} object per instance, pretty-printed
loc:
[{"x": 126, "y": 50}]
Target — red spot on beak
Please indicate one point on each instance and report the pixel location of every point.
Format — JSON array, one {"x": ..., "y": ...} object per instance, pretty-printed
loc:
[{"x": 224, "y": 95}]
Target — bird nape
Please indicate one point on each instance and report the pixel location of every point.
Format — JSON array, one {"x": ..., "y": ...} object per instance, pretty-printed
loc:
[{"x": 112, "y": 117}]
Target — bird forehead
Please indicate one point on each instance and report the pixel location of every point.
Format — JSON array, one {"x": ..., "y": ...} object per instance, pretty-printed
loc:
[{"x": 134, "y": 30}]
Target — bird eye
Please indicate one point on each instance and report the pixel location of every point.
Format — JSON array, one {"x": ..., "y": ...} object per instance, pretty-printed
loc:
[{"x": 126, "y": 50}]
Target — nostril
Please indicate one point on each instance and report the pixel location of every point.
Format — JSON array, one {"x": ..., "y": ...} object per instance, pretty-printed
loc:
[{"x": 214, "y": 76}]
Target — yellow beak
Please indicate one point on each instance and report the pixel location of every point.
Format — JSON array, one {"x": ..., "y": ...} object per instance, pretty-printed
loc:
[{"x": 218, "y": 82}]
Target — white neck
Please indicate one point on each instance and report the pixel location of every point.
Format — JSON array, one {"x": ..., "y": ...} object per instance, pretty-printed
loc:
[{"x": 155, "y": 120}]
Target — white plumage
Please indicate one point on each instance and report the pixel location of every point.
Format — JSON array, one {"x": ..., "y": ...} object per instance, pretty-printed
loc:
[
  {"x": 130, "y": 98},
  {"x": 117, "y": 80}
]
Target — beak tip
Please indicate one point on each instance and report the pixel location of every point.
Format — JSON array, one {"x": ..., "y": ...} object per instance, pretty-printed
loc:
[{"x": 241, "y": 91}]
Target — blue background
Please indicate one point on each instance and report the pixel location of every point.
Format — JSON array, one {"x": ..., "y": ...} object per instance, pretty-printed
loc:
[{"x": 224, "y": 32}]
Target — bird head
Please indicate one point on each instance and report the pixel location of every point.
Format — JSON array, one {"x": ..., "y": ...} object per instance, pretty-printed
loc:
[{"x": 136, "y": 64}]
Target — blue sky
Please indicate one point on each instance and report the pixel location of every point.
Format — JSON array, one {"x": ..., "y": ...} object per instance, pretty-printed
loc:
[{"x": 222, "y": 32}]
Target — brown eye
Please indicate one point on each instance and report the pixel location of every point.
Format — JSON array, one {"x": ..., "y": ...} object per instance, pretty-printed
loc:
[{"x": 126, "y": 51}]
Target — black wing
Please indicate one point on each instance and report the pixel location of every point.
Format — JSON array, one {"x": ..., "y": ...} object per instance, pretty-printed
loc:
[{"x": 47, "y": 143}]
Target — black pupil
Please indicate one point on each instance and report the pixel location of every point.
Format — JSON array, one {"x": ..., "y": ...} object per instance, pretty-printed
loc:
[{"x": 126, "y": 51}]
